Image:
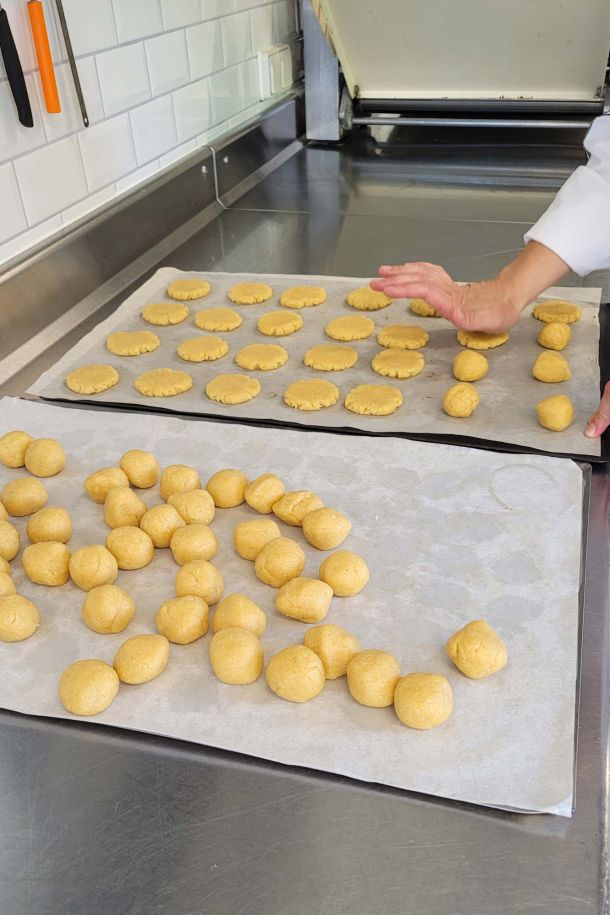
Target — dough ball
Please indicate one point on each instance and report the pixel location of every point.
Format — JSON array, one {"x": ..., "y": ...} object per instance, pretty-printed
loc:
[
  {"x": 402, "y": 336},
  {"x": 398, "y": 363},
  {"x": 555, "y": 413},
  {"x": 92, "y": 379},
  {"x": 218, "y": 319},
  {"x": 4, "y": 565},
  {"x": 311, "y": 394},
  {"x": 262, "y": 493},
  {"x": 551, "y": 367},
  {"x": 372, "y": 676},
  {"x": 202, "y": 349},
  {"x": 334, "y": 646},
  {"x": 6, "y": 585},
  {"x": 98, "y": 484},
  {"x": 279, "y": 324},
  {"x": 475, "y": 339},
  {"x": 194, "y": 507},
  {"x": 461, "y": 400},
  {"x": 187, "y": 289},
  {"x": 141, "y": 468},
  {"x": 249, "y": 537},
  {"x": 227, "y": 488},
  {"x": 123, "y": 508},
  {"x": 184, "y": 619},
  {"x": 279, "y": 561},
  {"x": 232, "y": 389},
  {"x": 345, "y": 572},
  {"x": 50, "y": 524},
  {"x": 141, "y": 658},
  {"x": 44, "y": 457},
  {"x": 195, "y": 541},
  {"x": 330, "y": 357},
  {"x": 132, "y": 342},
  {"x": 470, "y": 366},
  {"x": 555, "y": 335},
  {"x": 165, "y": 313},
  {"x": 47, "y": 563},
  {"x": 263, "y": 357},
  {"x": 163, "y": 383},
  {"x": 108, "y": 609},
  {"x": 239, "y": 611},
  {"x": 92, "y": 566},
  {"x": 202, "y": 579},
  {"x": 423, "y": 701},
  {"x": 250, "y": 293},
  {"x": 423, "y": 309},
  {"x": 159, "y": 523},
  {"x": 477, "y": 650},
  {"x": 19, "y": 618},
  {"x": 304, "y": 599},
  {"x": 350, "y": 327},
  {"x": 24, "y": 497},
  {"x": 9, "y": 540},
  {"x": 131, "y": 547},
  {"x": 236, "y": 656},
  {"x": 296, "y": 673},
  {"x": 557, "y": 310},
  {"x": 326, "y": 528},
  {"x": 366, "y": 299},
  {"x": 293, "y": 506},
  {"x": 302, "y": 296},
  {"x": 13, "y": 446},
  {"x": 374, "y": 399},
  {"x": 178, "y": 478},
  {"x": 3, "y": 513},
  {"x": 88, "y": 687}
]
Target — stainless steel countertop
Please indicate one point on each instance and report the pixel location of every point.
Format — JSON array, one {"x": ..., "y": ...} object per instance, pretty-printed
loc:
[{"x": 100, "y": 821}]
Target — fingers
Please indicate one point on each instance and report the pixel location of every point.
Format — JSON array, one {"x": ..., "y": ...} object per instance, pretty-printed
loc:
[
  {"x": 600, "y": 420},
  {"x": 403, "y": 268}
]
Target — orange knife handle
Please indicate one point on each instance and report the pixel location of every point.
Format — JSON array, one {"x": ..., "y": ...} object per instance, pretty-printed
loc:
[{"x": 43, "y": 55}]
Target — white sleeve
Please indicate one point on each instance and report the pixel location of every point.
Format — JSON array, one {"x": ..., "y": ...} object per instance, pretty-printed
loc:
[{"x": 576, "y": 226}]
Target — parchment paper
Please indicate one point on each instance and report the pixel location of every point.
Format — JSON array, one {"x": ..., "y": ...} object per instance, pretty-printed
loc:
[
  {"x": 450, "y": 535},
  {"x": 509, "y": 394}
]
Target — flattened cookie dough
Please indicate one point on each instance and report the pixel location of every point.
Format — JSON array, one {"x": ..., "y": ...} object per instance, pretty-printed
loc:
[
  {"x": 350, "y": 327},
  {"x": 202, "y": 349},
  {"x": 557, "y": 310},
  {"x": 474, "y": 339},
  {"x": 92, "y": 379},
  {"x": 398, "y": 363},
  {"x": 312, "y": 394},
  {"x": 551, "y": 367},
  {"x": 403, "y": 336},
  {"x": 250, "y": 293},
  {"x": 367, "y": 299},
  {"x": 185, "y": 290},
  {"x": 279, "y": 323},
  {"x": 218, "y": 319},
  {"x": 328, "y": 357},
  {"x": 374, "y": 399},
  {"x": 423, "y": 309},
  {"x": 302, "y": 296},
  {"x": 163, "y": 383},
  {"x": 132, "y": 342},
  {"x": 164, "y": 313},
  {"x": 461, "y": 400},
  {"x": 263, "y": 357},
  {"x": 233, "y": 389}
]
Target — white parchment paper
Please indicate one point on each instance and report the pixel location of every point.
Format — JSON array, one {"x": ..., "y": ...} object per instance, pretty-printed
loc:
[
  {"x": 450, "y": 535},
  {"x": 509, "y": 394}
]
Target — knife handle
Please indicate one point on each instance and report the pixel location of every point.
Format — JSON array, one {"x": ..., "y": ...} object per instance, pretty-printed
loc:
[
  {"x": 43, "y": 56},
  {"x": 14, "y": 72}
]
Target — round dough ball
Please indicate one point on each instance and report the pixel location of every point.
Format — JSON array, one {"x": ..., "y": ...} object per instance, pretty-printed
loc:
[
  {"x": 263, "y": 357},
  {"x": 13, "y": 446},
  {"x": 165, "y": 313},
  {"x": 372, "y": 676},
  {"x": 202, "y": 349},
  {"x": 279, "y": 561},
  {"x": 6, "y": 585},
  {"x": 195, "y": 506},
  {"x": 350, "y": 327},
  {"x": 236, "y": 656},
  {"x": 178, "y": 478},
  {"x": 296, "y": 673},
  {"x": 423, "y": 309},
  {"x": 47, "y": 563},
  {"x": 423, "y": 701},
  {"x": 3, "y": 513},
  {"x": 326, "y": 528},
  {"x": 470, "y": 366},
  {"x": 98, "y": 484},
  {"x": 227, "y": 488},
  {"x": 403, "y": 336},
  {"x": 131, "y": 547},
  {"x": 123, "y": 508},
  {"x": 183, "y": 620},
  {"x": 262, "y": 493},
  {"x": 163, "y": 383},
  {"x": 108, "y": 609},
  {"x": 202, "y": 579},
  {"x": 555, "y": 413},
  {"x": 141, "y": 467},
  {"x": 92, "y": 379},
  {"x": 311, "y": 394},
  {"x": 367, "y": 299},
  {"x": 50, "y": 524},
  {"x": 279, "y": 324},
  {"x": 19, "y": 618},
  {"x": 398, "y": 363},
  {"x": 557, "y": 310},
  {"x": 44, "y": 457},
  {"x": 302, "y": 296},
  {"x": 187, "y": 289},
  {"x": 334, "y": 646},
  {"x": 330, "y": 357},
  {"x": 159, "y": 523},
  {"x": 475, "y": 339},
  {"x": 345, "y": 572},
  {"x": 293, "y": 506},
  {"x": 141, "y": 658},
  {"x": 195, "y": 541},
  {"x": 461, "y": 400},
  {"x": 304, "y": 599},
  {"x": 218, "y": 319},
  {"x": 232, "y": 389},
  {"x": 249, "y": 537},
  {"x": 24, "y": 497},
  {"x": 477, "y": 650},
  {"x": 132, "y": 342},
  {"x": 9, "y": 540},
  {"x": 551, "y": 368},
  {"x": 4, "y": 565},
  {"x": 374, "y": 399},
  {"x": 239, "y": 611},
  {"x": 250, "y": 293},
  {"x": 88, "y": 687},
  {"x": 92, "y": 566},
  {"x": 555, "y": 335}
]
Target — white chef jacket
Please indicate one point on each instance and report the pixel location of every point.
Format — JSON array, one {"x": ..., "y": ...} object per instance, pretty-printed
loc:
[{"x": 576, "y": 226}]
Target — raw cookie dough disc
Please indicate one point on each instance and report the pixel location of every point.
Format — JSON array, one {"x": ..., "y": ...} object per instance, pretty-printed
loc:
[
  {"x": 555, "y": 413},
  {"x": 372, "y": 677},
  {"x": 423, "y": 309},
  {"x": 302, "y": 296},
  {"x": 223, "y": 319},
  {"x": 19, "y": 618},
  {"x": 557, "y": 310},
  {"x": 311, "y": 394},
  {"x": 551, "y": 367},
  {"x": 334, "y": 646},
  {"x": 402, "y": 336},
  {"x": 163, "y": 383},
  {"x": 261, "y": 357},
  {"x": 202, "y": 349},
  {"x": 185, "y": 290},
  {"x": 132, "y": 342},
  {"x": 470, "y": 366},
  {"x": 374, "y": 399},
  {"x": 328, "y": 357},
  {"x": 474, "y": 339},
  {"x": 13, "y": 446},
  {"x": 398, "y": 363},
  {"x": 279, "y": 323},
  {"x": 461, "y": 400},
  {"x": 296, "y": 673},
  {"x": 88, "y": 687},
  {"x": 250, "y": 293},
  {"x": 44, "y": 457},
  {"x": 350, "y": 327},
  {"x": 423, "y": 701},
  {"x": 233, "y": 389},
  {"x": 92, "y": 379},
  {"x": 367, "y": 299},
  {"x": 164, "y": 313},
  {"x": 141, "y": 658},
  {"x": 293, "y": 506},
  {"x": 477, "y": 650},
  {"x": 236, "y": 656},
  {"x": 555, "y": 335}
]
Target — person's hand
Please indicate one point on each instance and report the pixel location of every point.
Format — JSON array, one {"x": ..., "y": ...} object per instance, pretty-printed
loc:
[{"x": 600, "y": 420}]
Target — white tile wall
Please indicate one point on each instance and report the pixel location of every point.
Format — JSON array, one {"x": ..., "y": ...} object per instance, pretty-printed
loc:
[
  {"x": 12, "y": 216},
  {"x": 51, "y": 179},
  {"x": 205, "y": 48},
  {"x": 137, "y": 18},
  {"x": 154, "y": 129},
  {"x": 123, "y": 77},
  {"x": 168, "y": 62},
  {"x": 108, "y": 151}
]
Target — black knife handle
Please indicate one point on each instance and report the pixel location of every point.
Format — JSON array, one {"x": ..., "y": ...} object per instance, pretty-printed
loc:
[{"x": 14, "y": 72}]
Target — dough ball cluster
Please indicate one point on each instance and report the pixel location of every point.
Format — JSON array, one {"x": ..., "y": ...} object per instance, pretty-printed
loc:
[
  {"x": 98, "y": 484},
  {"x": 293, "y": 506},
  {"x": 334, "y": 646}
]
